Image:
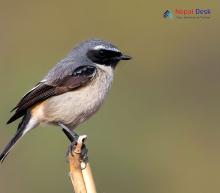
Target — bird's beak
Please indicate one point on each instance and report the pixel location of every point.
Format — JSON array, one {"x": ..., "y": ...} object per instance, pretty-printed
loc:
[{"x": 125, "y": 57}]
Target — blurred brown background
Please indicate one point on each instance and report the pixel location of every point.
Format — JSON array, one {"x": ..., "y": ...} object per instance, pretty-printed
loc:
[{"x": 159, "y": 129}]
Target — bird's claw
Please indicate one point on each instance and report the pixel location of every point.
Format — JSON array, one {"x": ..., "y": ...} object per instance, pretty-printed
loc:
[
  {"x": 81, "y": 149},
  {"x": 84, "y": 154},
  {"x": 71, "y": 148}
]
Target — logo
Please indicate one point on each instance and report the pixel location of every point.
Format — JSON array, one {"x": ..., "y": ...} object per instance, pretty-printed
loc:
[
  {"x": 194, "y": 13},
  {"x": 168, "y": 14}
]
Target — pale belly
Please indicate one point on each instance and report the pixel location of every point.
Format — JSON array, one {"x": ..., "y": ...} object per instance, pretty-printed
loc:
[{"x": 73, "y": 108}]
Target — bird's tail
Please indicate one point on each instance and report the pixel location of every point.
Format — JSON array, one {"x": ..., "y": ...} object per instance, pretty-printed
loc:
[
  {"x": 11, "y": 144},
  {"x": 22, "y": 129}
]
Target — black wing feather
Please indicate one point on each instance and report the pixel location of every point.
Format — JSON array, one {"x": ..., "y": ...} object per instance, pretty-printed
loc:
[
  {"x": 81, "y": 76},
  {"x": 38, "y": 89}
]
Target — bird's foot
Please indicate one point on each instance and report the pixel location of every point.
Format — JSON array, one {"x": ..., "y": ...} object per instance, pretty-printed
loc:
[
  {"x": 71, "y": 148},
  {"x": 84, "y": 153},
  {"x": 77, "y": 143},
  {"x": 78, "y": 146}
]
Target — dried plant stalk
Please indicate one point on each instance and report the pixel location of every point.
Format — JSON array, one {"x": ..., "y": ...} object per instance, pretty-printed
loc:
[
  {"x": 80, "y": 172},
  {"x": 88, "y": 179}
]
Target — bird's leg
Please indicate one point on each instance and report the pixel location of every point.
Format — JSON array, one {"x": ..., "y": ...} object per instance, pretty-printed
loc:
[{"x": 73, "y": 137}]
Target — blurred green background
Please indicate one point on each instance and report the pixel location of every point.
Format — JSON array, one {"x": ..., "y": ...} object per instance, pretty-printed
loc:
[{"x": 158, "y": 131}]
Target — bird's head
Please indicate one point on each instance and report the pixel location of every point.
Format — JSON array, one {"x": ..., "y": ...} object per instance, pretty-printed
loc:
[{"x": 101, "y": 52}]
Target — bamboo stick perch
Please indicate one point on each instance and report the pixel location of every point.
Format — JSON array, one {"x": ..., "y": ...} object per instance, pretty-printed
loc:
[{"x": 80, "y": 171}]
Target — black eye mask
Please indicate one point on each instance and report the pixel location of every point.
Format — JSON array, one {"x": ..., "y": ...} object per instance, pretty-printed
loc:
[{"x": 102, "y": 56}]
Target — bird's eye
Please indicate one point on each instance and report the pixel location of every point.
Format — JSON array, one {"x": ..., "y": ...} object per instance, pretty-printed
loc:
[{"x": 102, "y": 53}]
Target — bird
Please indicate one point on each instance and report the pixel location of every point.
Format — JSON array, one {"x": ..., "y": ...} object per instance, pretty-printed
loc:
[{"x": 71, "y": 92}]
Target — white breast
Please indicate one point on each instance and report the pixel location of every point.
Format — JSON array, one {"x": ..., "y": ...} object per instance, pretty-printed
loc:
[{"x": 72, "y": 108}]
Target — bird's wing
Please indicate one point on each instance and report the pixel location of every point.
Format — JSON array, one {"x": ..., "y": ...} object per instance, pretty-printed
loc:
[{"x": 43, "y": 90}]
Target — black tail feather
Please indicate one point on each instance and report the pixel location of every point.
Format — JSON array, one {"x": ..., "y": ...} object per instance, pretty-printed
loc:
[
  {"x": 10, "y": 145},
  {"x": 17, "y": 136}
]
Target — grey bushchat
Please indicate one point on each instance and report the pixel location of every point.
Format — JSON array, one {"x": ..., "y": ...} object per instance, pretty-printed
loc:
[{"x": 71, "y": 92}]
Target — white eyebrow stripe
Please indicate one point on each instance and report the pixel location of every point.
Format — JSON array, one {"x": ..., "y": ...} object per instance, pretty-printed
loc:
[
  {"x": 99, "y": 47},
  {"x": 106, "y": 48}
]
